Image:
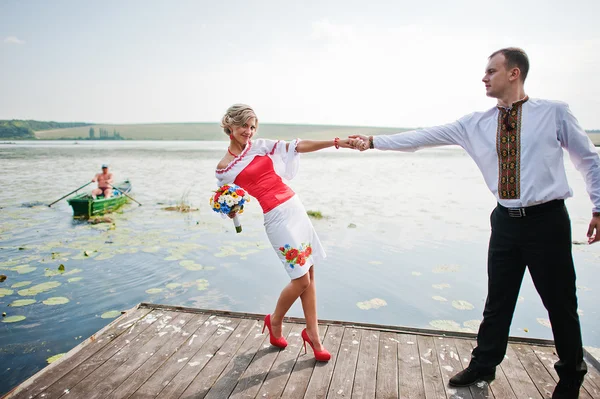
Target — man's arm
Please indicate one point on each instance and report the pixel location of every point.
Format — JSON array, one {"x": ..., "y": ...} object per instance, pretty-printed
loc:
[
  {"x": 452, "y": 133},
  {"x": 587, "y": 161}
]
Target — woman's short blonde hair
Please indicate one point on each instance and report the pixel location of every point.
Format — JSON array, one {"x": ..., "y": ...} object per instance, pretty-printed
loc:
[{"x": 237, "y": 115}]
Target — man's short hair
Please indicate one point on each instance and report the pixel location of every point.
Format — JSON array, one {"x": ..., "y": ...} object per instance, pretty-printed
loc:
[{"x": 515, "y": 57}]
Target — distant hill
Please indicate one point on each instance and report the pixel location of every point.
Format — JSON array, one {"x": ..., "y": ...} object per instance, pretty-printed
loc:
[
  {"x": 212, "y": 131},
  {"x": 25, "y": 129}
]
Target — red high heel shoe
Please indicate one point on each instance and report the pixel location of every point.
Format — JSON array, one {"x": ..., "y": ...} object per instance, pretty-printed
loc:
[
  {"x": 322, "y": 356},
  {"x": 278, "y": 342}
]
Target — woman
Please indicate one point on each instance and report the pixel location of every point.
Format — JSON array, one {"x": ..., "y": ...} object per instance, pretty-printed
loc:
[{"x": 257, "y": 166}]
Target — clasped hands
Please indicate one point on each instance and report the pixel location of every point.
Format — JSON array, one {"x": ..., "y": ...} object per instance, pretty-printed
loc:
[{"x": 356, "y": 142}]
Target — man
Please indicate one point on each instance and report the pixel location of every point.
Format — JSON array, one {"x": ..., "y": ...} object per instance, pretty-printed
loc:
[
  {"x": 105, "y": 180},
  {"x": 518, "y": 146}
]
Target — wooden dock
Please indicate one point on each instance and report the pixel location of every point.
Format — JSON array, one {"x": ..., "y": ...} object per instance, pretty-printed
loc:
[{"x": 174, "y": 352}]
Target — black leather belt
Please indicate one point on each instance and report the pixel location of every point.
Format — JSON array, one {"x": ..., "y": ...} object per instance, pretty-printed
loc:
[{"x": 532, "y": 210}]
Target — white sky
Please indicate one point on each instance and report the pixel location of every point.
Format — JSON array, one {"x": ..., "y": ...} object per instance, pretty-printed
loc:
[{"x": 346, "y": 62}]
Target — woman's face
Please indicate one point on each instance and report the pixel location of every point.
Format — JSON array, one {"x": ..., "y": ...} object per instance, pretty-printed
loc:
[{"x": 243, "y": 133}]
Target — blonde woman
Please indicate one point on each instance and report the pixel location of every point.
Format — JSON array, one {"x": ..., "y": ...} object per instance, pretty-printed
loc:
[{"x": 258, "y": 167}]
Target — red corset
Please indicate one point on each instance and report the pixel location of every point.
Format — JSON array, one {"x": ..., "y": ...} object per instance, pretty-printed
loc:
[{"x": 260, "y": 181}]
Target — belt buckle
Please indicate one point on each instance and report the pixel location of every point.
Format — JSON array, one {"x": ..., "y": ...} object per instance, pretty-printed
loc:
[{"x": 516, "y": 212}]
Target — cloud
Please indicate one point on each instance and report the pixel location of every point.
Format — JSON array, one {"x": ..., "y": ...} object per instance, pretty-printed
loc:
[{"x": 13, "y": 40}]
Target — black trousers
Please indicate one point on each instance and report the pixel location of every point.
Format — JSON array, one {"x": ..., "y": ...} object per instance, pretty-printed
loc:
[{"x": 540, "y": 240}]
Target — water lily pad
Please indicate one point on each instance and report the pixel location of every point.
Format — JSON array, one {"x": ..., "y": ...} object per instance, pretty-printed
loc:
[
  {"x": 440, "y": 286},
  {"x": 74, "y": 279},
  {"x": 202, "y": 284},
  {"x": 446, "y": 269},
  {"x": 104, "y": 256},
  {"x": 22, "y": 302},
  {"x": 544, "y": 322},
  {"x": 172, "y": 286},
  {"x": 56, "y": 300},
  {"x": 472, "y": 325},
  {"x": 374, "y": 303},
  {"x": 71, "y": 272},
  {"x": 416, "y": 273},
  {"x": 13, "y": 319},
  {"x": 151, "y": 250},
  {"x": 191, "y": 265},
  {"x": 111, "y": 314},
  {"x": 462, "y": 305},
  {"x": 54, "y": 358},
  {"x": 5, "y": 291},
  {"x": 450, "y": 325},
  {"x": 52, "y": 273},
  {"x": 37, "y": 289},
  {"x": 21, "y": 284},
  {"x": 24, "y": 269},
  {"x": 154, "y": 290},
  {"x": 439, "y": 298}
]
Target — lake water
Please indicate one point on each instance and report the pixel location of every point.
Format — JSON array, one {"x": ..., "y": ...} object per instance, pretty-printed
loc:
[{"x": 406, "y": 237}]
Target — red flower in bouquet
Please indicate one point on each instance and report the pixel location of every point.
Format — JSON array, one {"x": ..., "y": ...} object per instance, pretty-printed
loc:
[{"x": 308, "y": 251}]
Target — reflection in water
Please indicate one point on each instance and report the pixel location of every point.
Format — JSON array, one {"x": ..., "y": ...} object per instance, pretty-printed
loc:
[{"x": 406, "y": 237}]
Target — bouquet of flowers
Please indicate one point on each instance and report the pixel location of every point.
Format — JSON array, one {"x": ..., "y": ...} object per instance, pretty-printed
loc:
[{"x": 229, "y": 200}]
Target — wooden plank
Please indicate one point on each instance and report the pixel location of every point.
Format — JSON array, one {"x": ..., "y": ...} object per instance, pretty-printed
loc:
[
  {"x": 432, "y": 377},
  {"x": 165, "y": 373},
  {"x": 536, "y": 369},
  {"x": 410, "y": 378},
  {"x": 283, "y": 365},
  {"x": 547, "y": 357},
  {"x": 517, "y": 377},
  {"x": 52, "y": 373},
  {"x": 378, "y": 327},
  {"x": 387, "y": 369},
  {"x": 140, "y": 374},
  {"x": 104, "y": 379},
  {"x": 187, "y": 374},
  {"x": 365, "y": 379},
  {"x": 303, "y": 367},
  {"x": 252, "y": 380},
  {"x": 231, "y": 376},
  {"x": 449, "y": 365},
  {"x": 342, "y": 381},
  {"x": 138, "y": 333},
  {"x": 321, "y": 375},
  {"x": 215, "y": 366},
  {"x": 462, "y": 358},
  {"x": 500, "y": 387}
]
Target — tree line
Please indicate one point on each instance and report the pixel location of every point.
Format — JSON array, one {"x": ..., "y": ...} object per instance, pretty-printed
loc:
[
  {"x": 104, "y": 134},
  {"x": 25, "y": 129}
]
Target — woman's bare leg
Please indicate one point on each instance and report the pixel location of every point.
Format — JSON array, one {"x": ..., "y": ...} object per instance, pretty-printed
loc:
[
  {"x": 288, "y": 296},
  {"x": 309, "y": 305}
]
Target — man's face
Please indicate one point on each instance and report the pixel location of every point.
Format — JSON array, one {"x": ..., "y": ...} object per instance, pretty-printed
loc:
[
  {"x": 496, "y": 77},
  {"x": 105, "y": 170}
]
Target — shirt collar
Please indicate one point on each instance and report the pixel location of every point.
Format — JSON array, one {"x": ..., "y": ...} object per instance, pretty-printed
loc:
[{"x": 515, "y": 104}]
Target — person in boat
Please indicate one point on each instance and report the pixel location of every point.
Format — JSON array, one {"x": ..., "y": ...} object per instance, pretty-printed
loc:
[
  {"x": 105, "y": 180},
  {"x": 258, "y": 166}
]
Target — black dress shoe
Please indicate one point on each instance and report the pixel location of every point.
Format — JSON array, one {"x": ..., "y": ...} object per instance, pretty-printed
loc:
[
  {"x": 567, "y": 389},
  {"x": 470, "y": 376}
]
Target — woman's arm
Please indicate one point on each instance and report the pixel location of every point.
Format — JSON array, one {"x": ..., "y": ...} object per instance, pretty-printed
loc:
[{"x": 316, "y": 145}]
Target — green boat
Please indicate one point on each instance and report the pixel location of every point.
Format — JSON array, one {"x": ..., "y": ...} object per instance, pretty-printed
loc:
[{"x": 84, "y": 205}]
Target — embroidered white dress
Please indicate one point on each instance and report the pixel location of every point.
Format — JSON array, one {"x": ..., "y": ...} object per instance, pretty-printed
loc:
[{"x": 259, "y": 170}]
